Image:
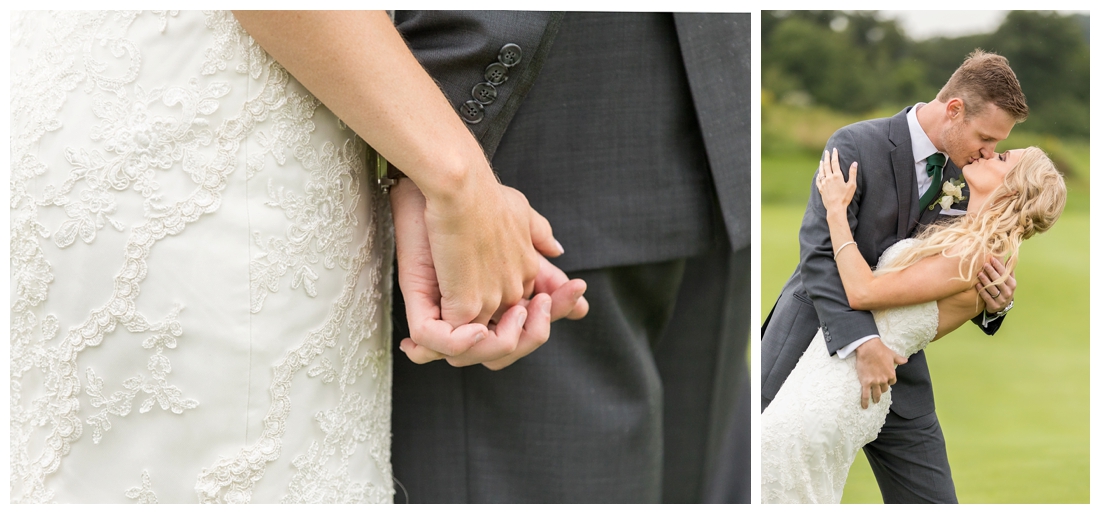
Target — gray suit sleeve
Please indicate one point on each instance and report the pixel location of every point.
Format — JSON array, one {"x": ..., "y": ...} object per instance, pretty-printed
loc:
[
  {"x": 839, "y": 323},
  {"x": 457, "y": 47}
]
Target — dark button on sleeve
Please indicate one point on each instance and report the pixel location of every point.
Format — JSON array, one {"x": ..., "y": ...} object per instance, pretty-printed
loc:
[
  {"x": 510, "y": 54},
  {"x": 471, "y": 111},
  {"x": 484, "y": 93},
  {"x": 496, "y": 73}
]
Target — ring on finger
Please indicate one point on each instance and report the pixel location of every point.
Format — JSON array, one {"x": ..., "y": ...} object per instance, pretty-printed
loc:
[{"x": 998, "y": 295}]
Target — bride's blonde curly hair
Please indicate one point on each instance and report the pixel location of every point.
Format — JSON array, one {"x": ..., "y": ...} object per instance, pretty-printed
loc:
[{"x": 1028, "y": 202}]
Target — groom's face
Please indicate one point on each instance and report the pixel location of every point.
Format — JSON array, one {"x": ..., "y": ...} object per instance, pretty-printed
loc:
[{"x": 969, "y": 138}]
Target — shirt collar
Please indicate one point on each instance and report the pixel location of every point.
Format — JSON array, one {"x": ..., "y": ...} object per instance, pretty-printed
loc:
[{"x": 922, "y": 146}]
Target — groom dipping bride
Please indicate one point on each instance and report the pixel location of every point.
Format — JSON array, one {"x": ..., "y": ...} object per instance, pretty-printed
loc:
[{"x": 956, "y": 266}]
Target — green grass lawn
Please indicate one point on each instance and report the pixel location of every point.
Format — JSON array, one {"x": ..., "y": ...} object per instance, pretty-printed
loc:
[{"x": 1014, "y": 407}]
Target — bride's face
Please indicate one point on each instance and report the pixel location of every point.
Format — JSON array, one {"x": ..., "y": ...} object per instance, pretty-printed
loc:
[{"x": 985, "y": 175}]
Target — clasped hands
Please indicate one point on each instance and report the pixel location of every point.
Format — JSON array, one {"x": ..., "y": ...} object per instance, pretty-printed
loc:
[{"x": 472, "y": 268}]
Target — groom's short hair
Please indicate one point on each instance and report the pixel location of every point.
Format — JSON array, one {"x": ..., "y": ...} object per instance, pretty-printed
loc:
[{"x": 985, "y": 77}]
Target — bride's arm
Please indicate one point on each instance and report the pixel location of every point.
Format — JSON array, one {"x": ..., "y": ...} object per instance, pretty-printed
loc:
[
  {"x": 932, "y": 278},
  {"x": 356, "y": 63},
  {"x": 483, "y": 235}
]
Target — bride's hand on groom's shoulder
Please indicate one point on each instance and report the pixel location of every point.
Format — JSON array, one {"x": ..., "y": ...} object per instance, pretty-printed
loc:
[
  {"x": 520, "y": 329},
  {"x": 836, "y": 193}
]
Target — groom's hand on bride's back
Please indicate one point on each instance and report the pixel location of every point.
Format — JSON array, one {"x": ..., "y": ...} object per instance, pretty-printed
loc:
[
  {"x": 518, "y": 330},
  {"x": 875, "y": 365}
]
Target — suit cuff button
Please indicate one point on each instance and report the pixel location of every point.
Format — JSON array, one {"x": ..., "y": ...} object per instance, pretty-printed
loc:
[
  {"x": 484, "y": 93},
  {"x": 472, "y": 112},
  {"x": 496, "y": 74},
  {"x": 510, "y": 54}
]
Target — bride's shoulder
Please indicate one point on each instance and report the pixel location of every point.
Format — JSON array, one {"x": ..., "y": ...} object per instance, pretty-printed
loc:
[{"x": 963, "y": 256}]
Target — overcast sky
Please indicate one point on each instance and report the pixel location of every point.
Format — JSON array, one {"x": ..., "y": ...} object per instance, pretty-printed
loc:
[{"x": 921, "y": 25}]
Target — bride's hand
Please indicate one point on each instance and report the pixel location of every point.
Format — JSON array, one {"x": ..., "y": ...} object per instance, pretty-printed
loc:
[
  {"x": 485, "y": 241},
  {"x": 836, "y": 193}
]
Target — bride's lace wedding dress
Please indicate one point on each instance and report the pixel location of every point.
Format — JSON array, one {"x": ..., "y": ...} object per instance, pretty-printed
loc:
[
  {"x": 199, "y": 272},
  {"x": 814, "y": 427}
]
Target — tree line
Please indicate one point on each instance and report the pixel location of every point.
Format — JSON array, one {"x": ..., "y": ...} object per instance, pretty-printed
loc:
[{"x": 855, "y": 62}]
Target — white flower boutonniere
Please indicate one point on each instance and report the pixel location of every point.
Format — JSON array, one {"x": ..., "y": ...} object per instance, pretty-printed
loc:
[{"x": 952, "y": 192}]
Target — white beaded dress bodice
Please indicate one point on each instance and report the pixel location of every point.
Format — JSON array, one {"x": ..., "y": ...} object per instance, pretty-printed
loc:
[
  {"x": 906, "y": 330},
  {"x": 200, "y": 273},
  {"x": 814, "y": 426}
]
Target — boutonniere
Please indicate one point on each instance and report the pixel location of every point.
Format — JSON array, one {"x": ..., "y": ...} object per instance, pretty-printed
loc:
[{"x": 952, "y": 192}]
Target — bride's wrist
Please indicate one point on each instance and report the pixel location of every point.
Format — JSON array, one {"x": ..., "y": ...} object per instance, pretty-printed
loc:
[
  {"x": 836, "y": 213},
  {"x": 455, "y": 180}
]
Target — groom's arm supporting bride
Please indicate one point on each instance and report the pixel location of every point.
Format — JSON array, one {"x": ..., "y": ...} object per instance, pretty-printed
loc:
[
  {"x": 843, "y": 326},
  {"x": 369, "y": 78}
]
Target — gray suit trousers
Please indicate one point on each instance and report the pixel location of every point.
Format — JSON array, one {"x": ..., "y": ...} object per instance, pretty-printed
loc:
[
  {"x": 909, "y": 458},
  {"x": 638, "y": 402}
]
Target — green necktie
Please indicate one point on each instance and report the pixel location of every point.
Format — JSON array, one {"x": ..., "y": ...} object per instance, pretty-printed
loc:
[{"x": 935, "y": 170}]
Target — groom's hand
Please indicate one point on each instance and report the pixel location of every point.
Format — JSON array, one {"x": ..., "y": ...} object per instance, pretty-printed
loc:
[
  {"x": 523, "y": 328},
  {"x": 875, "y": 365}
]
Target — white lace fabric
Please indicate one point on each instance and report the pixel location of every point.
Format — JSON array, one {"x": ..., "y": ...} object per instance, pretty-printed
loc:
[
  {"x": 814, "y": 427},
  {"x": 200, "y": 272}
]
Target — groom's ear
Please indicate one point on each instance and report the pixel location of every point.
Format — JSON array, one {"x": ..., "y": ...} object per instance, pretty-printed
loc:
[{"x": 955, "y": 109}]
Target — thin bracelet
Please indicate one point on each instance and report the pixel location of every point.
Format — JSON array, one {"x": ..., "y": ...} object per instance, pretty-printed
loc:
[{"x": 838, "y": 250}]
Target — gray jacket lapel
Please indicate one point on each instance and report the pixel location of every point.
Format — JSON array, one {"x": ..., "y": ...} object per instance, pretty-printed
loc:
[
  {"x": 715, "y": 49},
  {"x": 901, "y": 159}
]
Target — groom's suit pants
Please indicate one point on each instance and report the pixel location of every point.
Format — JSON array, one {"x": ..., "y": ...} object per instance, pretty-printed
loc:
[
  {"x": 909, "y": 458},
  {"x": 641, "y": 401}
]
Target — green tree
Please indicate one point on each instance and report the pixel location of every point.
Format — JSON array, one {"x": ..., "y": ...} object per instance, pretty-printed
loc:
[
  {"x": 854, "y": 62},
  {"x": 1050, "y": 55},
  {"x": 821, "y": 61}
]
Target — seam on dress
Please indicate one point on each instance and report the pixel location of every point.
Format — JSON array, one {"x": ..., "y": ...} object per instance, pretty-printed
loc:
[{"x": 251, "y": 315}]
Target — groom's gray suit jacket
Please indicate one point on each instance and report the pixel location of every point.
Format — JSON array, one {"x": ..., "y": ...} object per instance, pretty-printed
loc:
[
  {"x": 630, "y": 132},
  {"x": 661, "y": 206},
  {"x": 885, "y": 209}
]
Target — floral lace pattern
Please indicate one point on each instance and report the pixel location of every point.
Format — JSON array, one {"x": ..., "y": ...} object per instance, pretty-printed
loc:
[
  {"x": 815, "y": 426},
  {"x": 153, "y": 124},
  {"x": 321, "y": 226},
  {"x": 169, "y": 397},
  {"x": 231, "y": 479},
  {"x": 144, "y": 492}
]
